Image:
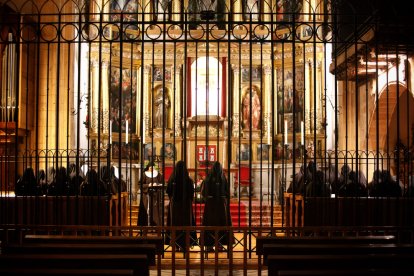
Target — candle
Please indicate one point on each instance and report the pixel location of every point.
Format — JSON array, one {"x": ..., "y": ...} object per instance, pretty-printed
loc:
[
  {"x": 143, "y": 134},
  {"x": 286, "y": 138},
  {"x": 302, "y": 133},
  {"x": 268, "y": 132},
  {"x": 126, "y": 127},
  {"x": 110, "y": 133}
]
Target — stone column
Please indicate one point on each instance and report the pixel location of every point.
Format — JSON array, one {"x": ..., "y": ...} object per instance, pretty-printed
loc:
[
  {"x": 236, "y": 101},
  {"x": 238, "y": 16},
  {"x": 176, "y": 9},
  {"x": 177, "y": 100},
  {"x": 146, "y": 6},
  {"x": 267, "y": 11},
  {"x": 267, "y": 105}
]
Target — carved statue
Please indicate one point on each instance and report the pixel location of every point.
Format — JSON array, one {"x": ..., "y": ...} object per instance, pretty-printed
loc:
[{"x": 161, "y": 105}]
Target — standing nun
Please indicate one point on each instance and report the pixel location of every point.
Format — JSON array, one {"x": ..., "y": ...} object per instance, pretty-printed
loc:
[
  {"x": 180, "y": 190},
  {"x": 215, "y": 193}
]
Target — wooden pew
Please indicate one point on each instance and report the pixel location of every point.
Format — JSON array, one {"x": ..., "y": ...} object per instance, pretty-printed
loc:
[
  {"x": 149, "y": 245},
  {"x": 46, "y": 262},
  {"x": 148, "y": 250},
  {"x": 282, "y": 255},
  {"x": 338, "y": 262},
  {"x": 65, "y": 272},
  {"x": 369, "y": 239},
  {"x": 334, "y": 249},
  {"x": 347, "y": 272}
]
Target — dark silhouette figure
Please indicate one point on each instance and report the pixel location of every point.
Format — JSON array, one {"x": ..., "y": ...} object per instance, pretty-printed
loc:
[
  {"x": 386, "y": 187},
  {"x": 75, "y": 181},
  {"x": 92, "y": 185},
  {"x": 42, "y": 182},
  {"x": 215, "y": 193},
  {"x": 59, "y": 183},
  {"x": 27, "y": 184},
  {"x": 352, "y": 185},
  {"x": 180, "y": 190}
]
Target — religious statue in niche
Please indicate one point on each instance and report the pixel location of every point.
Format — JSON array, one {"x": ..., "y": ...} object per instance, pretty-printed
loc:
[
  {"x": 251, "y": 9},
  {"x": 161, "y": 105},
  {"x": 252, "y": 109},
  {"x": 163, "y": 9}
]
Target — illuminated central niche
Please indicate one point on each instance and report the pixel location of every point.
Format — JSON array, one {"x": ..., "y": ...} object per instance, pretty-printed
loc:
[{"x": 206, "y": 89}]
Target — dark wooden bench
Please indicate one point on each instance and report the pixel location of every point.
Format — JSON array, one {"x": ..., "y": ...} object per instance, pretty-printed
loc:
[
  {"x": 334, "y": 249},
  {"x": 65, "y": 272},
  {"x": 46, "y": 262},
  {"x": 148, "y": 250},
  {"x": 370, "y": 239},
  {"x": 338, "y": 262},
  {"x": 124, "y": 244},
  {"x": 281, "y": 254},
  {"x": 347, "y": 272}
]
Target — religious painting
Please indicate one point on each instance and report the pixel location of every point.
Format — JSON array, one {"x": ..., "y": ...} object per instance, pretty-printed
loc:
[
  {"x": 262, "y": 152},
  {"x": 128, "y": 151},
  {"x": 288, "y": 10},
  {"x": 123, "y": 92},
  {"x": 307, "y": 32},
  {"x": 168, "y": 151},
  {"x": 251, "y": 109},
  {"x": 149, "y": 152},
  {"x": 255, "y": 74},
  {"x": 290, "y": 97},
  {"x": 158, "y": 74},
  {"x": 243, "y": 152},
  {"x": 251, "y": 9},
  {"x": 127, "y": 12}
]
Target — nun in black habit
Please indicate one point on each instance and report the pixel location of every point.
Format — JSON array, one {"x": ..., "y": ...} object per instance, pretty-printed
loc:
[
  {"x": 180, "y": 190},
  {"x": 215, "y": 193}
]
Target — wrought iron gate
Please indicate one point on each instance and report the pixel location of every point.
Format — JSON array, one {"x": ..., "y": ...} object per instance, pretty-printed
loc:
[{"x": 308, "y": 98}]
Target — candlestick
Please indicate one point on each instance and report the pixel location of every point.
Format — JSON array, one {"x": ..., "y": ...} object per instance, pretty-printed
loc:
[
  {"x": 268, "y": 132},
  {"x": 286, "y": 138},
  {"x": 126, "y": 127},
  {"x": 143, "y": 132},
  {"x": 110, "y": 133},
  {"x": 302, "y": 133}
]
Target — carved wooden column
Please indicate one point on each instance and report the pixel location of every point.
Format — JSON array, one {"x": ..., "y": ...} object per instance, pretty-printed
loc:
[
  {"x": 105, "y": 97},
  {"x": 308, "y": 94},
  {"x": 95, "y": 96},
  {"x": 236, "y": 101},
  {"x": 147, "y": 93},
  {"x": 267, "y": 114},
  {"x": 177, "y": 100}
]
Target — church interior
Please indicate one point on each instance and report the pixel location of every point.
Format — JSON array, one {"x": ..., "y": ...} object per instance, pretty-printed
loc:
[{"x": 216, "y": 128}]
